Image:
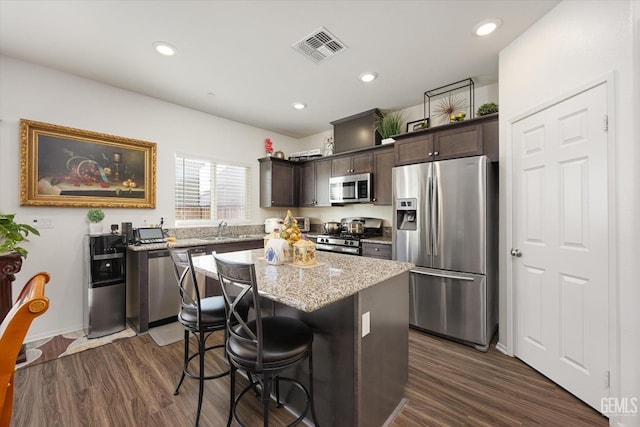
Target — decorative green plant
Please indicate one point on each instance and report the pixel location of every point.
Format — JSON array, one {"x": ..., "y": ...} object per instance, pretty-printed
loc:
[
  {"x": 488, "y": 108},
  {"x": 95, "y": 215},
  {"x": 389, "y": 124},
  {"x": 12, "y": 234}
]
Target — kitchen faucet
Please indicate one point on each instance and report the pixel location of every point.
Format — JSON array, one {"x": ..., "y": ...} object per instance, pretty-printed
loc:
[{"x": 221, "y": 226}]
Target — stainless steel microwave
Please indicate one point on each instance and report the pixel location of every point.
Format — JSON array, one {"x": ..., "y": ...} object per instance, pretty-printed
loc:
[{"x": 350, "y": 189}]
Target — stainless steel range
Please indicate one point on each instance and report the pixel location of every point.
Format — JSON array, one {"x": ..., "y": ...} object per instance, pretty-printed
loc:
[{"x": 347, "y": 240}]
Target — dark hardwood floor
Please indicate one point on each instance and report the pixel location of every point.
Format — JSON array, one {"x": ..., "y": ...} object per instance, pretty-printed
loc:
[{"x": 131, "y": 383}]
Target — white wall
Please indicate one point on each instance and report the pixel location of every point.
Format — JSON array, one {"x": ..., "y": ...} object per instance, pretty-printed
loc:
[
  {"x": 46, "y": 95},
  {"x": 574, "y": 44}
]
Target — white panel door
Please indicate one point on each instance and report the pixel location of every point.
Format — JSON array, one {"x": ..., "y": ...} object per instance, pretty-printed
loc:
[{"x": 560, "y": 240}]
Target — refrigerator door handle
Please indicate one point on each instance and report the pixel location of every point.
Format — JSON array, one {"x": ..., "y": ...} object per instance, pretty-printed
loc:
[
  {"x": 430, "y": 221},
  {"x": 435, "y": 220},
  {"x": 445, "y": 275}
]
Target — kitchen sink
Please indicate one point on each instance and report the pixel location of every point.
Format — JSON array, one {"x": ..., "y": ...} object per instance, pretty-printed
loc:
[
  {"x": 238, "y": 237},
  {"x": 217, "y": 239}
]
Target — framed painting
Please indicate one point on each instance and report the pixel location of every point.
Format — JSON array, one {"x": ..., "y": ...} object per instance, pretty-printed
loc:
[
  {"x": 417, "y": 125},
  {"x": 62, "y": 166}
]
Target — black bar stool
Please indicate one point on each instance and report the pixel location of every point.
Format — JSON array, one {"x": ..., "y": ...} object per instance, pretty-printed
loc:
[
  {"x": 200, "y": 317},
  {"x": 265, "y": 346}
]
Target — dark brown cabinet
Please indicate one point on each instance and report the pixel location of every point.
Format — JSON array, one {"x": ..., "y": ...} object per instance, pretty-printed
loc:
[
  {"x": 352, "y": 164},
  {"x": 278, "y": 183},
  {"x": 314, "y": 183},
  {"x": 473, "y": 138},
  {"x": 383, "y": 161},
  {"x": 376, "y": 250}
]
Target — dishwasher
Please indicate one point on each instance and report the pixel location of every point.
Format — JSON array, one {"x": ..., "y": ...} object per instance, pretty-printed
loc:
[{"x": 164, "y": 296}]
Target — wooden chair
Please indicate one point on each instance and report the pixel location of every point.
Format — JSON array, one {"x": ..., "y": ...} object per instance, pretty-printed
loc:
[{"x": 30, "y": 304}]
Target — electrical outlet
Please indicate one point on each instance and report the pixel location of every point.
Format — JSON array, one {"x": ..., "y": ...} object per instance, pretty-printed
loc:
[
  {"x": 42, "y": 222},
  {"x": 366, "y": 324}
]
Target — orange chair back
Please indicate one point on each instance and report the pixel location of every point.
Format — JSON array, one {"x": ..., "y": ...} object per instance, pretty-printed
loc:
[{"x": 30, "y": 304}]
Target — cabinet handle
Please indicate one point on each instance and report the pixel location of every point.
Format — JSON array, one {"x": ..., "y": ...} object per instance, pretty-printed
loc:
[
  {"x": 436, "y": 153},
  {"x": 374, "y": 199},
  {"x": 376, "y": 249},
  {"x": 430, "y": 154}
]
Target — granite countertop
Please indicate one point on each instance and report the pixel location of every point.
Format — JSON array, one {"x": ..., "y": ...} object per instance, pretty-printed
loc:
[
  {"x": 197, "y": 241},
  {"x": 336, "y": 276}
]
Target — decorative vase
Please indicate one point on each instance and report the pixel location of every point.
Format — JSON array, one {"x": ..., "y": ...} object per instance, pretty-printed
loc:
[{"x": 95, "y": 228}]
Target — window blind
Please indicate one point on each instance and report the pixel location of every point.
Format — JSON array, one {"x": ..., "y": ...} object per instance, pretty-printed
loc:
[{"x": 208, "y": 190}]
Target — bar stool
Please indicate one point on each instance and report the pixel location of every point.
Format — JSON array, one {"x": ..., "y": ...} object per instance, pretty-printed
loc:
[
  {"x": 265, "y": 346},
  {"x": 198, "y": 316}
]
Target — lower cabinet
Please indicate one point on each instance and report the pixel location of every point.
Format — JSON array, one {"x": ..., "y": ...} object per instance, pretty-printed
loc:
[{"x": 376, "y": 250}]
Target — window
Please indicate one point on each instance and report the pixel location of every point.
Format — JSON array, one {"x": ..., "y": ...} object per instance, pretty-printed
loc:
[{"x": 208, "y": 190}]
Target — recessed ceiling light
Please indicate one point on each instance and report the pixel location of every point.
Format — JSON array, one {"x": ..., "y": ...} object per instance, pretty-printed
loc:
[
  {"x": 164, "y": 48},
  {"x": 487, "y": 27},
  {"x": 299, "y": 105},
  {"x": 368, "y": 77}
]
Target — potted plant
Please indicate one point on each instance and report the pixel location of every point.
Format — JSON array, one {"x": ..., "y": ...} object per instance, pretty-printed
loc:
[
  {"x": 487, "y": 108},
  {"x": 13, "y": 234},
  {"x": 388, "y": 125},
  {"x": 95, "y": 216}
]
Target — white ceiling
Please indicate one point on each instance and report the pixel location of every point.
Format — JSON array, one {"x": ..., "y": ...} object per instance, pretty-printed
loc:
[{"x": 241, "y": 51}]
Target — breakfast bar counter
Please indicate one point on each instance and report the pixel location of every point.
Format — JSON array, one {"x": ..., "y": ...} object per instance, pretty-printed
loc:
[{"x": 358, "y": 308}]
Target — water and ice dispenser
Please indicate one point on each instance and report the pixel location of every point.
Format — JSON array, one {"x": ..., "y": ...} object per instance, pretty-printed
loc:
[{"x": 406, "y": 212}]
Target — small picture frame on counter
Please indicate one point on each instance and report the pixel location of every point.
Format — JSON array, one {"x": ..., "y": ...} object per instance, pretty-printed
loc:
[{"x": 418, "y": 125}]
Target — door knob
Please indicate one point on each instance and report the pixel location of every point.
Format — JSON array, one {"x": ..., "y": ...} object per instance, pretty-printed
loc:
[{"x": 516, "y": 253}]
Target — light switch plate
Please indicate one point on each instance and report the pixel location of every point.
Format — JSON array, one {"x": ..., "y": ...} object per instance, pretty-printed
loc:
[
  {"x": 366, "y": 324},
  {"x": 42, "y": 222}
]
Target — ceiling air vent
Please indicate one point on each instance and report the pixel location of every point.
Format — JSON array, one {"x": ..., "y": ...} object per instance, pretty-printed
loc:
[{"x": 319, "y": 45}]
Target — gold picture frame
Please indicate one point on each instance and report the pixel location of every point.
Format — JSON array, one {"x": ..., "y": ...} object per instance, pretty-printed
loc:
[{"x": 67, "y": 167}]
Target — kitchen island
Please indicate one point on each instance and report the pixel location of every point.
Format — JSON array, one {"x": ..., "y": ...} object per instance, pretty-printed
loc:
[
  {"x": 152, "y": 292},
  {"x": 358, "y": 308}
]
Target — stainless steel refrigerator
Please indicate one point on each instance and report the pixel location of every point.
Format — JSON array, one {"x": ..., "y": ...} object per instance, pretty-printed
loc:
[{"x": 445, "y": 222}]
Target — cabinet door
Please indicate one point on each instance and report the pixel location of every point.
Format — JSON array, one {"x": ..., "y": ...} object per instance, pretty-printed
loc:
[
  {"x": 376, "y": 250},
  {"x": 382, "y": 167},
  {"x": 341, "y": 166},
  {"x": 314, "y": 183},
  {"x": 460, "y": 141},
  {"x": 362, "y": 163},
  {"x": 278, "y": 183},
  {"x": 322, "y": 172},
  {"x": 307, "y": 184},
  {"x": 283, "y": 185},
  {"x": 415, "y": 149}
]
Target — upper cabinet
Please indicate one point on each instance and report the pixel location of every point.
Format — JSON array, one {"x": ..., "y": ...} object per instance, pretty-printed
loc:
[
  {"x": 278, "y": 183},
  {"x": 314, "y": 183},
  {"x": 352, "y": 164},
  {"x": 383, "y": 161},
  {"x": 462, "y": 139}
]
